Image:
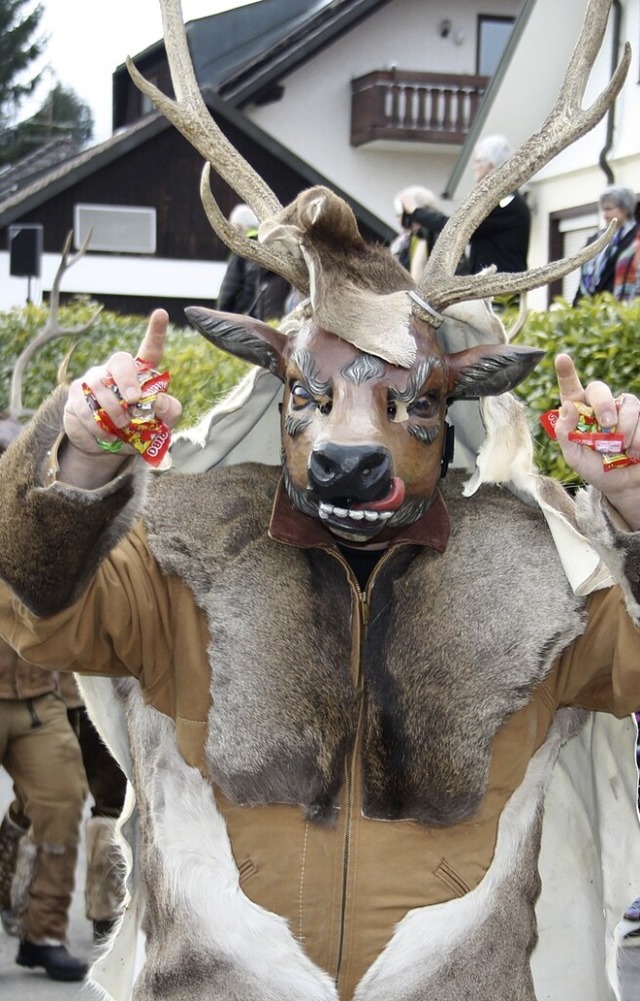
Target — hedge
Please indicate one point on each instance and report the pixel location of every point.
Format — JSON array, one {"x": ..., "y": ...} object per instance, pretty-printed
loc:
[
  {"x": 200, "y": 373},
  {"x": 600, "y": 334}
]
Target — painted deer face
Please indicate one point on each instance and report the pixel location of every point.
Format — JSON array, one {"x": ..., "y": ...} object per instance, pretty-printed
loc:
[{"x": 363, "y": 439}]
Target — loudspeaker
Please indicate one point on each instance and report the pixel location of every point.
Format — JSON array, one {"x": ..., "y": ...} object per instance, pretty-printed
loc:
[{"x": 25, "y": 250}]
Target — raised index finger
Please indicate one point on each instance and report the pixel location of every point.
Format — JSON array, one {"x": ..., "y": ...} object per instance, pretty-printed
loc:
[
  {"x": 568, "y": 382},
  {"x": 152, "y": 346}
]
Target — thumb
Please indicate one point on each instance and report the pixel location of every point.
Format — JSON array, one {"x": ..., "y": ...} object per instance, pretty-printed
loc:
[{"x": 152, "y": 346}]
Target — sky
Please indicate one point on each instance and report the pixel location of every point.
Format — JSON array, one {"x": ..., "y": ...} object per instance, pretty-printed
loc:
[{"x": 88, "y": 39}]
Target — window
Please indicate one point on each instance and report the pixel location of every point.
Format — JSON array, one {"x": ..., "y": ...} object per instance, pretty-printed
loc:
[
  {"x": 493, "y": 35},
  {"x": 122, "y": 229}
]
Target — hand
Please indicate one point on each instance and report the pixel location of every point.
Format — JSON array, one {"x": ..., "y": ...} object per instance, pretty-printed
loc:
[
  {"x": 77, "y": 461},
  {"x": 621, "y": 487}
]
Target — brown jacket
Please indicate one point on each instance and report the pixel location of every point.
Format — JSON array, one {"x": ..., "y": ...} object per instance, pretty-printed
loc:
[
  {"x": 178, "y": 599},
  {"x": 21, "y": 680}
]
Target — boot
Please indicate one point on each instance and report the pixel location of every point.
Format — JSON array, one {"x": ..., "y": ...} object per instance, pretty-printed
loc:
[
  {"x": 45, "y": 911},
  {"x": 57, "y": 961}
]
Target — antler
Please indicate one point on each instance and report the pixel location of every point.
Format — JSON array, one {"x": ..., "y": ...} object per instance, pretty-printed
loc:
[
  {"x": 50, "y": 331},
  {"x": 568, "y": 121},
  {"x": 190, "y": 115}
]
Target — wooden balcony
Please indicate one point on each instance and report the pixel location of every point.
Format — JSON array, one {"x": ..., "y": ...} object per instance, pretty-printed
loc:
[{"x": 414, "y": 107}]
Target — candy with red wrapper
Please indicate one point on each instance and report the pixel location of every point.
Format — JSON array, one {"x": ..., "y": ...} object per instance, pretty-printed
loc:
[
  {"x": 148, "y": 435},
  {"x": 588, "y": 432}
]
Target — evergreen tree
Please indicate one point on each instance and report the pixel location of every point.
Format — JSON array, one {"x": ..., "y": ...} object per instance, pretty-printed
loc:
[
  {"x": 62, "y": 115},
  {"x": 18, "y": 51}
]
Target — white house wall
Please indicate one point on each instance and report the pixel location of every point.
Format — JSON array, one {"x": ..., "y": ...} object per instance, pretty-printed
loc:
[
  {"x": 575, "y": 178},
  {"x": 529, "y": 89},
  {"x": 313, "y": 117},
  {"x": 102, "y": 274}
]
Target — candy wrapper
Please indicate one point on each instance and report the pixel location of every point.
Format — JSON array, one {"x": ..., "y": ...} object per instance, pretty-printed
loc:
[
  {"x": 148, "y": 435},
  {"x": 606, "y": 441}
]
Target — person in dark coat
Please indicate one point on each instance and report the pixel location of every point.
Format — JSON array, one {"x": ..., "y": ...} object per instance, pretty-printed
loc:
[
  {"x": 503, "y": 238},
  {"x": 247, "y": 287},
  {"x": 614, "y": 268}
]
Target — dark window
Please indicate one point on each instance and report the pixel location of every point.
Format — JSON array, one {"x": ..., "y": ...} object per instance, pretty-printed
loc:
[{"x": 493, "y": 35}]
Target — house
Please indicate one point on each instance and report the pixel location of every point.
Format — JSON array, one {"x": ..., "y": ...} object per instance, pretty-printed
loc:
[
  {"x": 365, "y": 96},
  {"x": 563, "y": 195},
  {"x": 138, "y": 191}
]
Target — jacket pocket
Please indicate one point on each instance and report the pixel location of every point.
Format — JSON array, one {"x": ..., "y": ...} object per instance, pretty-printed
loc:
[
  {"x": 451, "y": 878},
  {"x": 246, "y": 869}
]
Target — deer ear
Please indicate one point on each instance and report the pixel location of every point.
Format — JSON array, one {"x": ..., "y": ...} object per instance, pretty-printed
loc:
[
  {"x": 489, "y": 369},
  {"x": 242, "y": 336}
]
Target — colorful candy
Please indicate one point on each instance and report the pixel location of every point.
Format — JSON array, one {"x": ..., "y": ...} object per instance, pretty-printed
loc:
[{"x": 148, "y": 435}]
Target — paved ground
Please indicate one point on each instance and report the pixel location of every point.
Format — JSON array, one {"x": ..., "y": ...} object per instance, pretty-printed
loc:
[{"x": 18, "y": 984}]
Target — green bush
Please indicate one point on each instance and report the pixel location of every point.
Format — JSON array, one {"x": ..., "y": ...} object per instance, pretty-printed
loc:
[
  {"x": 601, "y": 335},
  {"x": 200, "y": 372}
]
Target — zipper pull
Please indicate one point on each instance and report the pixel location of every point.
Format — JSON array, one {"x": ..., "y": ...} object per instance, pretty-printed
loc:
[{"x": 364, "y": 608}]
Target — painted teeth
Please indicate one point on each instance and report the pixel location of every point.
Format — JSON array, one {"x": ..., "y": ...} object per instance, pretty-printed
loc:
[{"x": 326, "y": 510}]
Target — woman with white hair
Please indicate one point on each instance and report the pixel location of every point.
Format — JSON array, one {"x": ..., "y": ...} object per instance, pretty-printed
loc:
[
  {"x": 614, "y": 269},
  {"x": 503, "y": 237},
  {"x": 412, "y": 249}
]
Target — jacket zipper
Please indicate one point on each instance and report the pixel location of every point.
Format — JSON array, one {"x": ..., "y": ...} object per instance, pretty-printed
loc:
[{"x": 364, "y": 606}]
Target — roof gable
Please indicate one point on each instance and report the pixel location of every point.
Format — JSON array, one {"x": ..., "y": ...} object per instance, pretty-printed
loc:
[{"x": 220, "y": 43}]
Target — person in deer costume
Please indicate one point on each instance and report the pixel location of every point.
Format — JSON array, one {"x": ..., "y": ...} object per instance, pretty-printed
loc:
[{"x": 342, "y": 682}]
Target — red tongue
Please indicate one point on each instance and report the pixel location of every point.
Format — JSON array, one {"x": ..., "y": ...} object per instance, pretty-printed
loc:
[{"x": 391, "y": 502}]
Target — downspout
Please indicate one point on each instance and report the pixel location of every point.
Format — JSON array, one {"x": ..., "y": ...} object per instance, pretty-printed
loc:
[{"x": 615, "y": 49}]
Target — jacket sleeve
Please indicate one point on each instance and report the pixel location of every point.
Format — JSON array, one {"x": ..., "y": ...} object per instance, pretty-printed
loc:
[
  {"x": 429, "y": 220},
  {"x": 53, "y": 537},
  {"x": 272, "y": 297},
  {"x": 121, "y": 625},
  {"x": 230, "y": 297},
  {"x": 601, "y": 669}
]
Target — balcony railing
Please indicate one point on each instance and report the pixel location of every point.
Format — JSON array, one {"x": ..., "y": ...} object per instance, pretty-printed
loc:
[{"x": 414, "y": 107}]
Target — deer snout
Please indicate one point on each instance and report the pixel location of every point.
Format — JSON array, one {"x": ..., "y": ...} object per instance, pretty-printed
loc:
[{"x": 359, "y": 472}]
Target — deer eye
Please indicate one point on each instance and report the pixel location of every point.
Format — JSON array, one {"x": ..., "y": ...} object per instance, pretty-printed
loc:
[
  {"x": 300, "y": 396},
  {"x": 426, "y": 406}
]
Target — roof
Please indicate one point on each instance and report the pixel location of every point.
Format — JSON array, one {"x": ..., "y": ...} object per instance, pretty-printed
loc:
[
  {"x": 236, "y": 54},
  {"x": 40, "y": 161},
  {"x": 220, "y": 43},
  {"x": 64, "y": 174},
  {"x": 279, "y": 50},
  {"x": 76, "y": 168}
]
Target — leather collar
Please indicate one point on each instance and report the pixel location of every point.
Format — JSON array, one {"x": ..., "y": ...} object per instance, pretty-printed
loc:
[{"x": 290, "y": 526}]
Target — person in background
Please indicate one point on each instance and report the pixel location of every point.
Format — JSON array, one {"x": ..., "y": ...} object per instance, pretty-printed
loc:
[
  {"x": 411, "y": 248},
  {"x": 503, "y": 238},
  {"x": 104, "y": 883},
  {"x": 247, "y": 287},
  {"x": 636, "y": 268},
  {"x": 40, "y": 752},
  {"x": 614, "y": 269}
]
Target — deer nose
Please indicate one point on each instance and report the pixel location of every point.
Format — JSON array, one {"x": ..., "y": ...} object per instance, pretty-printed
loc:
[{"x": 361, "y": 472}]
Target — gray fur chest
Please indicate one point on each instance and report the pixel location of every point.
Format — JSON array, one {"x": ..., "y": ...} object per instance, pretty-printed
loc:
[{"x": 455, "y": 643}]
